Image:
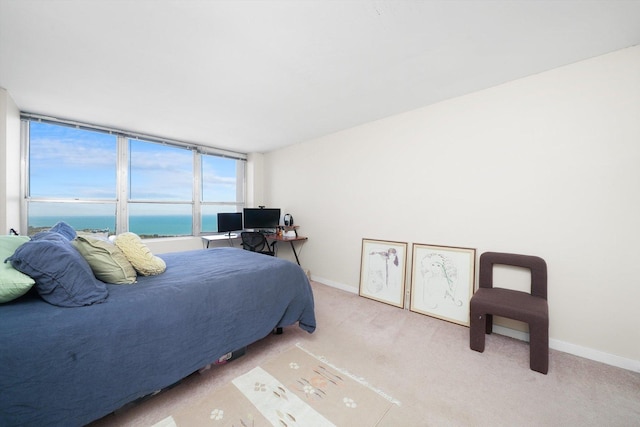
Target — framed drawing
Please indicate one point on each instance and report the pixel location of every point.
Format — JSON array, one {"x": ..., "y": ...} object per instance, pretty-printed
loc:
[
  {"x": 442, "y": 281},
  {"x": 382, "y": 271}
]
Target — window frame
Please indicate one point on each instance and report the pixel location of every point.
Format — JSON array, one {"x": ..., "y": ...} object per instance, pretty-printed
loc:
[{"x": 122, "y": 200}]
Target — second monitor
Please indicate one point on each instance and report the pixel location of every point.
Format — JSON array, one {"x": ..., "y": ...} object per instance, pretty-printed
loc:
[
  {"x": 229, "y": 221},
  {"x": 261, "y": 219}
]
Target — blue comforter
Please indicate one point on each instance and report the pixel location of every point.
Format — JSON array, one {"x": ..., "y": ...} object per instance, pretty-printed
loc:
[{"x": 70, "y": 366}]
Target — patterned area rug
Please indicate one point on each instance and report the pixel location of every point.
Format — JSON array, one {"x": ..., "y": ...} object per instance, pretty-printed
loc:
[{"x": 297, "y": 388}]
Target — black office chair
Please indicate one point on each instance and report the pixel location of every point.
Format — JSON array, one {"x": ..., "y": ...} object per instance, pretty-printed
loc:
[{"x": 256, "y": 242}]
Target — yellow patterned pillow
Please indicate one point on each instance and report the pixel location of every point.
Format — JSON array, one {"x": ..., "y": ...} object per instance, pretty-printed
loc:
[{"x": 139, "y": 254}]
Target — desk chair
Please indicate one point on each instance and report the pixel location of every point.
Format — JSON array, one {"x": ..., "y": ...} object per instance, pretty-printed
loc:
[
  {"x": 531, "y": 308},
  {"x": 256, "y": 242}
]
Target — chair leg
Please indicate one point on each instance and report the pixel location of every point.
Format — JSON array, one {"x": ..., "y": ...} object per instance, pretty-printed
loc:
[
  {"x": 539, "y": 346},
  {"x": 477, "y": 330},
  {"x": 489, "y": 324}
]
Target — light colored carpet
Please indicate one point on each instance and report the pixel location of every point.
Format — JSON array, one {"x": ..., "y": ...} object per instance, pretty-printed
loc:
[
  {"x": 426, "y": 364},
  {"x": 296, "y": 388}
]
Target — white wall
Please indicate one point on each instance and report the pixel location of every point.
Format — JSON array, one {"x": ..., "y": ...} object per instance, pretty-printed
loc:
[
  {"x": 10, "y": 164},
  {"x": 548, "y": 165}
]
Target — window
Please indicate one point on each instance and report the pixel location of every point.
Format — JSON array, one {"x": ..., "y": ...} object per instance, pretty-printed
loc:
[
  {"x": 72, "y": 178},
  {"x": 160, "y": 189},
  {"x": 99, "y": 179},
  {"x": 220, "y": 191}
]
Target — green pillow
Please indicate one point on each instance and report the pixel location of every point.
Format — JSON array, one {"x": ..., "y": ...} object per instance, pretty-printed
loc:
[
  {"x": 13, "y": 284},
  {"x": 107, "y": 261}
]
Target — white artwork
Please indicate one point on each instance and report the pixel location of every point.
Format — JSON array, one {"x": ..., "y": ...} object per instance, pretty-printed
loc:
[
  {"x": 442, "y": 282},
  {"x": 382, "y": 271}
]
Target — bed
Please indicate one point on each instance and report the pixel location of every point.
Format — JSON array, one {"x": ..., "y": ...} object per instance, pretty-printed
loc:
[{"x": 70, "y": 366}]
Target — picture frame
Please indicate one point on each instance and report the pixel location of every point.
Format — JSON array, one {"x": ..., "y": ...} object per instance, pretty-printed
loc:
[
  {"x": 442, "y": 281},
  {"x": 383, "y": 266}
]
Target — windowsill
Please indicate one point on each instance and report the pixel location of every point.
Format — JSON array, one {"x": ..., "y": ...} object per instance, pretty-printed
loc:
[{"x": 169, "y": 239}]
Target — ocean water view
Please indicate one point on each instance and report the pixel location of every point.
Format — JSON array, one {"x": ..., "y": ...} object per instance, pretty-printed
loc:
[{"x": 143, "y": 225}]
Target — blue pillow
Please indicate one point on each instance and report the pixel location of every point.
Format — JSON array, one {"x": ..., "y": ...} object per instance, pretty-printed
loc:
[
  {"x": 63, "y": 277},
  {"x": 65, "y": 229},
  {"x": 50, "y": 235}
]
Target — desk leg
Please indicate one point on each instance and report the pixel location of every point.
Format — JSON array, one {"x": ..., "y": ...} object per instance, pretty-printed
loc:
[
  {"x": 293, "y": 248},
  {"x": 294, "y": 252}
]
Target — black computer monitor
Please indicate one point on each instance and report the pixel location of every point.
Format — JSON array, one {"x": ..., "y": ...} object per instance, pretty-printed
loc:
[
  {"x": 261, "y": 218},
  {"x": 229, "y": 221}
]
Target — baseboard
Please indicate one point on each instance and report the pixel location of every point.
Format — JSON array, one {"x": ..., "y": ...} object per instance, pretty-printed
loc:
[
  {"x": 513, "y": 333},
  {"x": 336, "y": 285},
  {"x": 598, "y": 356},
  {"x": 576, "y": 350}
]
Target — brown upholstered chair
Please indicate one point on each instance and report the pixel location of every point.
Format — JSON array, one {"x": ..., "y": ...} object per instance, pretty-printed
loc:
[{"x": 531, "y": 308}]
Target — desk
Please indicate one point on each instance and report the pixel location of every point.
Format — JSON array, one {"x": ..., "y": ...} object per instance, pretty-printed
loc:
[
  {"x": 216, "y": 237},
  {"x": 276, "y": 238}
]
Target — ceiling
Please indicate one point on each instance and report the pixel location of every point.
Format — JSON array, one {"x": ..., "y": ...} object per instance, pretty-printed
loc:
[{"x": 254, "y": 76}]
